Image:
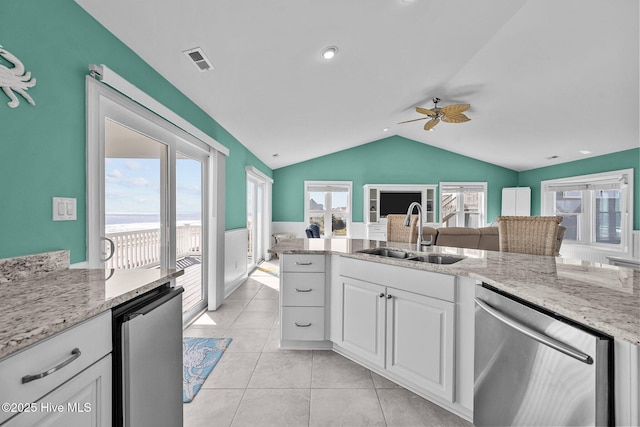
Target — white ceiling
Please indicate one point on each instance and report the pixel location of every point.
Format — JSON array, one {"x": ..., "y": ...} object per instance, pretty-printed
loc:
[{"x": 543, "y": 77}]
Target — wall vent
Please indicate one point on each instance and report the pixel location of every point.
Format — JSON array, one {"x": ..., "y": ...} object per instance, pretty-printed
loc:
[{"x": 197, "y": 56}]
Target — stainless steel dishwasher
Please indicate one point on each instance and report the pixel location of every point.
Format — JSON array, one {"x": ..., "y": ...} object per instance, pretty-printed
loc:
[
  {"x": 147, "y": 354},
  {"x": 536, "y": 368}
]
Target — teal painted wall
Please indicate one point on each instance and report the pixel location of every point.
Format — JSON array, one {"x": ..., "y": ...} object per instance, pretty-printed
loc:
[
  {"x": 42, "y": 148},
  {"x": 393, "y": 160},
  {"x": 628, "y": 159}
]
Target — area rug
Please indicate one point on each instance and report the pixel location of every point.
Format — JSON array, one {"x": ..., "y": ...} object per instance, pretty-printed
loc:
[
  {"x": 199, "y": 356},
  {"x": 269, "y": 269}
]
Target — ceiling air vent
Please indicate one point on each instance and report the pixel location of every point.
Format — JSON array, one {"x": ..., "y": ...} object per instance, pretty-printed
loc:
[{"x": 197, "y": 56}]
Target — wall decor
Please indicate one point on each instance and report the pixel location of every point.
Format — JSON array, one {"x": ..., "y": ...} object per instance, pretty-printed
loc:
[{"x": 15, "y": 80}]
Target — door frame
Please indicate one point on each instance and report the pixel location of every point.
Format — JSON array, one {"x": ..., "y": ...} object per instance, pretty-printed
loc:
[
  {"x": 103, "y": 102},
  {"x": 260, "y": 178}
]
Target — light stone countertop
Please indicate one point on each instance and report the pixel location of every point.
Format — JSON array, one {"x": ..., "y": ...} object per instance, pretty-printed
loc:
[
  {"x": 601, "y": 296},
  {"x": 40, "y": 295}
]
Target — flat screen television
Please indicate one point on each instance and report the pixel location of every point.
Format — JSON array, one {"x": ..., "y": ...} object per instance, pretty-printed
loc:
[{"x": 392, "y": 202}]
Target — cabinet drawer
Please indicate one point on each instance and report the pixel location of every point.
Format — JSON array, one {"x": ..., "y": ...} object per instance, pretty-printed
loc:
[
  {"x": 92, "y": 338},
  {"x": 303, "y": 289},
  {"x": 303, "y": 263},
  {"x": 303, "y": 323},
  {"x": 377, "y": 229}
]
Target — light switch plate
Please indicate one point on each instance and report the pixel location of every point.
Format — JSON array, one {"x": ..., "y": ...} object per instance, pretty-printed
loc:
[{"x": 64, "y": 209}]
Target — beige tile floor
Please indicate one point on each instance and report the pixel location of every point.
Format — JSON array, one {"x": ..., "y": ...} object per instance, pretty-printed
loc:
[{"x": 256, "y": 384}]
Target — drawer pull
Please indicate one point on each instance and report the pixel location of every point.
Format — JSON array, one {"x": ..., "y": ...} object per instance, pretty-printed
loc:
[
  {"x": 303, "y": 290},
  {"x": 304, "y": 263},
  {"x": 75, "y": 353},
  {"x": 306, "y": 325}
]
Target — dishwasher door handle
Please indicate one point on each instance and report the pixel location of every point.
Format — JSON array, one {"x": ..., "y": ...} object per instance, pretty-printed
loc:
[{"x": 541, "y": 338}]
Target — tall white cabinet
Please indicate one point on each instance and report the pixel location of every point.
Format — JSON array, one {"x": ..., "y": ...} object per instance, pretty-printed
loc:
[{"x": 516, "y": 201}]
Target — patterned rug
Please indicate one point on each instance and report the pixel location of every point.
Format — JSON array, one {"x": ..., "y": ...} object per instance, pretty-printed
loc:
[
  {"x": 199, "y": 356},
  {"x": 269, "y": 269}
]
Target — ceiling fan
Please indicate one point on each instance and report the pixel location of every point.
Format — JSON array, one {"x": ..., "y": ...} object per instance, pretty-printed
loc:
[{"x": 449, "y": 114}]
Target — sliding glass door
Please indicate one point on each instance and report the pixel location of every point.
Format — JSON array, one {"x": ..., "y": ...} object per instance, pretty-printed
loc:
[{"x": 147, "y": 199}]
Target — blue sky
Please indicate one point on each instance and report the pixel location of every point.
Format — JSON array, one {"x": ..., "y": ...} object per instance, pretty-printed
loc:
[{"x": 133, "y": 186}]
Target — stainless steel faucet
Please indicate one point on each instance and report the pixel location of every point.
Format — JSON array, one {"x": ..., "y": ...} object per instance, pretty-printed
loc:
[{"x": 407, "y": 223}]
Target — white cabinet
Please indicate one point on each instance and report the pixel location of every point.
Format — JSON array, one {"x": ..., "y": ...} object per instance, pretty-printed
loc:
[
  {"x": 420, "y": 340},
  {"x": 83, "y": 401},
  {"x": 362, "y": 308},
  {"x": 407, "y": 334},
  {"x": 65, "y": 379},
  {"x": 516, "y": 201},
  {"x": 303, "y": 323}
]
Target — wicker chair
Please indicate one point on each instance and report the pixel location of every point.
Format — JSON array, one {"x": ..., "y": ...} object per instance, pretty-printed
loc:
[
  {"x": 537, "y": 235},
  {"x": 397, "y": 232}
]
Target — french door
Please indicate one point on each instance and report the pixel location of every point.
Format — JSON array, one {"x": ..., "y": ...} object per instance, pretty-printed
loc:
[{"x": 147, "y": 198}]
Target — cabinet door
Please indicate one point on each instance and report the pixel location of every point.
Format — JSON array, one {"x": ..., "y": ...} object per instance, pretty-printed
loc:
[
  {"x": 420, "y": 336},
  {"x": 83, "y": 401},
  {"x": 362, "y": 315}
]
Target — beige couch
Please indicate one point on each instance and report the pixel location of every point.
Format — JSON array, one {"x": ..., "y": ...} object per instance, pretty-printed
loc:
[{"x": 485, "y": 238}]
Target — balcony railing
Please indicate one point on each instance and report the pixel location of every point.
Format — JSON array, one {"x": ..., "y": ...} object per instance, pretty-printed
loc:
[{"x": 141, "y": 248}]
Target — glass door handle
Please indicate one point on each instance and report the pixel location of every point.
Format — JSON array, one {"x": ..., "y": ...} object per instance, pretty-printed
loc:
[{"x": 112, "y": 249}]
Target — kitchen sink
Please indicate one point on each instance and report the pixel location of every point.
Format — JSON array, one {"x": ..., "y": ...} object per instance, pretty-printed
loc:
[
  {"x": 386, "y": 252},
  {"x": 398, "y": 254},
  {"x": 437, "y": 259}
]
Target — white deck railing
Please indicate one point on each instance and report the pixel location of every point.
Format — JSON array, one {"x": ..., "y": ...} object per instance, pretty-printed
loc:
[{"x": 141, "y": 248}]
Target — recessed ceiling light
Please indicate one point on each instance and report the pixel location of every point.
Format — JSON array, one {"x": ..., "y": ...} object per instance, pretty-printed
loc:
[
  {"x": 275, "y": 155},
  {"x": 385, "y": 130},
  {"x": 585, "y": 152},
  {"x": 329, "y": 52},
  {"x": 552, "y": 157}
]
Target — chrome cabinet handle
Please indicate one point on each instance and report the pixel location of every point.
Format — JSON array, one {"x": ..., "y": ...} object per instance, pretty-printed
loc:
[
  {"x": 303, "y": 290},
  {"x": 389, "y": 296},
  {"x": 533, "y": 334},
  {"x": 381, "y": 295},
  {"x": 304, "y": 263},
  {"x": 75, "y": 353},
  {"x": 306, "y": 325},
  {"x": 112, "y": 248}
]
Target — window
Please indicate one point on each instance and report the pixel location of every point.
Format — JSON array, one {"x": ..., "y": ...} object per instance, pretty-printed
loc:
[
  {"x": 463, "y": 204},
  {"x": 596, "y": 209},
  {"x": 328, "y": 204}
]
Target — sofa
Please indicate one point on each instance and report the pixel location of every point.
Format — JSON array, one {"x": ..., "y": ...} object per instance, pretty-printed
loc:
[{"x": 485, "y": 238}]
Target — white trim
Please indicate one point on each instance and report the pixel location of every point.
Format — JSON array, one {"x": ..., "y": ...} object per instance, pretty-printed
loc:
[
  {"x": 259, "y": 174},
  {"x": 327, "y": 213},
  {"x": 625, "y": 179},
  {"x": 471, "y": 186},
  {"x": 111, "y": 78}
]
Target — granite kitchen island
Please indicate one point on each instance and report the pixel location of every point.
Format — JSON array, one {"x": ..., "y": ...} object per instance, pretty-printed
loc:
[{"x": 342, "y": 277}]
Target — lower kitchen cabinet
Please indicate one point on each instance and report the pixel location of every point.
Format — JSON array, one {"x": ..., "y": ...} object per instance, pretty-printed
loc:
[
  {"x": 65, "y": 380},
  {"x": 420, "y": 338},
  {"x": 406, "y": 334},
  {"x": 83, "y": 401},
  {"x": 362, "y": 309}
]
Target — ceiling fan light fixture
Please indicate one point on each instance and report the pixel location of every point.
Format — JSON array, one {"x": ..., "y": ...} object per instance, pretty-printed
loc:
[{"x": 329, "y": 52}]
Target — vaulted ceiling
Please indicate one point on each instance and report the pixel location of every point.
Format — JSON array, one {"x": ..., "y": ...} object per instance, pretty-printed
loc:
[{"x": 544, "y": 77}]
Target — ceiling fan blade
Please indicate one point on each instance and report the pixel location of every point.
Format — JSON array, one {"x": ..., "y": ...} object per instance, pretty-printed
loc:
[
  {"x": 425, "y": 111},
  {"x": 414, "y": 120},
  {"x": 455, "y": 109},
  {"x": 456, "y": 118},
  {"x": 431, "y": 123}
]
